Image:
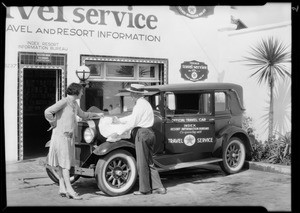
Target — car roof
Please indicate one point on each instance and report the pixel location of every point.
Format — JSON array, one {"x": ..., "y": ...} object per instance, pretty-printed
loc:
[{"x": 194, "y": 86}]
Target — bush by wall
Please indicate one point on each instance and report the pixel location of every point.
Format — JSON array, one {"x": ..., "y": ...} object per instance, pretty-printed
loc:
[{"x": 275, "y": 151}]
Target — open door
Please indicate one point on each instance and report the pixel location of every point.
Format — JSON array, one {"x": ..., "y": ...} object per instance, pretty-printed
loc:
[{"x": 41, "y": 89}]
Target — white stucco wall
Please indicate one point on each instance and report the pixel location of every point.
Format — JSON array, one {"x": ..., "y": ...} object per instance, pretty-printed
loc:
[{"x": 256, "y": 97}]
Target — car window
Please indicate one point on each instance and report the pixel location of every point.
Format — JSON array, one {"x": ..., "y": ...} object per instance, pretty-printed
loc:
[
  {"x": 220, "y": 102},
  {"x": 154, "y": 100},
  {"x": 188, "y": 103},
  {"x": 129, "y": 103},
  {"x": 205, "y": 103}
]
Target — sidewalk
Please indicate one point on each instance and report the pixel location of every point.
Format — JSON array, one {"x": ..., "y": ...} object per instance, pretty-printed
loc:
[
  {"x": 266, "y": 167},
  {"x": 27, "y": 168}
]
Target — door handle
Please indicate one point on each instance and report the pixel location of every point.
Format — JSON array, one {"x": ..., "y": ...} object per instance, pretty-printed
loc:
[{"x": 211, "y": 119}]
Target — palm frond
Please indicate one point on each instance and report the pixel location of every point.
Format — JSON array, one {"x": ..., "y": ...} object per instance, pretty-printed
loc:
[{"x": 268, "y": 58}]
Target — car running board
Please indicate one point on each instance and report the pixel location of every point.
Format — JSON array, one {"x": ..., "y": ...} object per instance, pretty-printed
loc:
[{"x": 161, "y": 167}]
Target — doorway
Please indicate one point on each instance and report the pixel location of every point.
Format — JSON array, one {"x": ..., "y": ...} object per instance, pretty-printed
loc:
[{"x": 40, "y": 91}]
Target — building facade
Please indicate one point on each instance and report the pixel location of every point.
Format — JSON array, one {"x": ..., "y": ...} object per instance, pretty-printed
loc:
[{"x": 120, "y": 45}]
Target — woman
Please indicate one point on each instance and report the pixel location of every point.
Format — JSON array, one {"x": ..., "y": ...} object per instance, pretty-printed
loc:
[{"x": 62, "y": 118}]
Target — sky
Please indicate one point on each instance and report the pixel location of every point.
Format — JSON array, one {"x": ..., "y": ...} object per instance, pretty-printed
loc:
[{"x": 270, "y": 13}]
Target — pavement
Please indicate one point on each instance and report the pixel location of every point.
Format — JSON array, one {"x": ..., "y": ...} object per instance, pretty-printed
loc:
[{"x": 27, "y": 184}]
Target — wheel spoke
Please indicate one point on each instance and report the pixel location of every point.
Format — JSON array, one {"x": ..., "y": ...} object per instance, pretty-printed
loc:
[
  {"x": 125, "y": 176},
  {"x": 119, "y": 183},
  {"x": 110, "y": 178}
]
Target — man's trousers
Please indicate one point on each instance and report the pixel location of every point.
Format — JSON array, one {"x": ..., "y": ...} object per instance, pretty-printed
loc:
[{"x": 149, "y": 178}]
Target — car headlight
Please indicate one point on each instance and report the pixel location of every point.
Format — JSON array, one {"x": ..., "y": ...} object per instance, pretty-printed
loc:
[{"x": 89, "y": 135}]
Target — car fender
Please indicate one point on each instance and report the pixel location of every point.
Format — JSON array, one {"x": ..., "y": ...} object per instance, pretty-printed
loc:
[
  {"x": 107, "y": 147},
  {"x": 232, "y": 131}
]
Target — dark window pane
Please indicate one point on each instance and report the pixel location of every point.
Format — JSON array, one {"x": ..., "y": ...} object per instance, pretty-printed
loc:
[
  {"x": 147, "y": 71},
  {"x": 95, "y": 67},
  {"x": 118, "y": 70}
]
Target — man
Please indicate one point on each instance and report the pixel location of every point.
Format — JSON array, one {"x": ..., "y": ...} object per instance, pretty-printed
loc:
[{"x": 142, "y": 116}]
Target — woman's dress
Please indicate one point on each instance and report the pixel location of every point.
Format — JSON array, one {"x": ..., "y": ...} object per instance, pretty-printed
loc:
[{"x": 62, "y": 145}]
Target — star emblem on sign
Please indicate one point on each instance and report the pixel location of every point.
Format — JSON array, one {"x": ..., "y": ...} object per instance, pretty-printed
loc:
[{"x": 189, "y": 140}]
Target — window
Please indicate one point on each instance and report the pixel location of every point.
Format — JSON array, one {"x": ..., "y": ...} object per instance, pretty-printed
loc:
[
  {"x": 96, "y": 68},
  {"x": 205, "y": 103},
  {"x": 119, "y": 70},
  {"x": 188, "y": 103},
  {"x": 103, "y": 95},
  {"x": 105, "y": 70},
  {"x": 51, "y": 59},
  {"x": 147, "y": 71},
  {"x": 220, "y": 102},
  {"x": 110, "y": 74}
]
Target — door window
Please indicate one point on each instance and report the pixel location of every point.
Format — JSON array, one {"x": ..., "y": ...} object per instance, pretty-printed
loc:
[{"x": 188, "y": 103}]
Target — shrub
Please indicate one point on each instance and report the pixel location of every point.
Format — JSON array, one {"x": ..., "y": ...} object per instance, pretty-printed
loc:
[
  {"x": 280, "y": 150},
  {"x": 276, "y": 151}
]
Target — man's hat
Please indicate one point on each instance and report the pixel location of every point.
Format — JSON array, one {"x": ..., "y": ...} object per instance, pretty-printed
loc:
[{"x": 137, "y": 88}]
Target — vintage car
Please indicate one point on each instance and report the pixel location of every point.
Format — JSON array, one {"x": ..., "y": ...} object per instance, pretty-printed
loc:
[{"x": 195, "y": 124}]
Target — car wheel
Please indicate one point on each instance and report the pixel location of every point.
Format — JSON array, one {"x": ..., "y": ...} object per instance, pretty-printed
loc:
[
  {"x": 53, "y": 175},
  {"x": 234, "y": 154},
  {"x": 116, "y": 173}
]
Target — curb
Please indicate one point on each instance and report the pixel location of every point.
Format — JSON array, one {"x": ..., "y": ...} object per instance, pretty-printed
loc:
[{"x": 266, "y": 167}]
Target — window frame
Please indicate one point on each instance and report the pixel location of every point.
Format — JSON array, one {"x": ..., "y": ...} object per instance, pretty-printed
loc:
[{"x": 136, "y": 62}]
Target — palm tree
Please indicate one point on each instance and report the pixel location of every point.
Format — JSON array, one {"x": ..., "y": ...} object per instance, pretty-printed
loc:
[{"x": 269, "y": 59}]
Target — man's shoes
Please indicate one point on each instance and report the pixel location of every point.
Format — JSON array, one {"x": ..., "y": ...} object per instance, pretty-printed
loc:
[
  {"x": 141, "y": 193},
  {"x": 159, "y": 191}
]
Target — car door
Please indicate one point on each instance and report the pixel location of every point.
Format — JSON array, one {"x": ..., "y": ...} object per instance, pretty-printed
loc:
[{"x": 189, "y": 123}]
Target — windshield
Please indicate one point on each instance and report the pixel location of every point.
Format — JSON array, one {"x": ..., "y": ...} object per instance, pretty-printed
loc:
[{"x": 104, "y": 96}]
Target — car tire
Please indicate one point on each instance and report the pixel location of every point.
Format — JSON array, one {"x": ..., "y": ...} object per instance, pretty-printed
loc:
[
  {"x": 233, "y": 154},
  {"x": 53, "y": 175},
  {"x": 116, "y": 173}
]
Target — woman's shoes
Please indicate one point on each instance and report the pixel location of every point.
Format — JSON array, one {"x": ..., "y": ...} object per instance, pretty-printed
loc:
[
  {"x": 62, "y": 194},
  {"x": 75, "y": 196}
]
